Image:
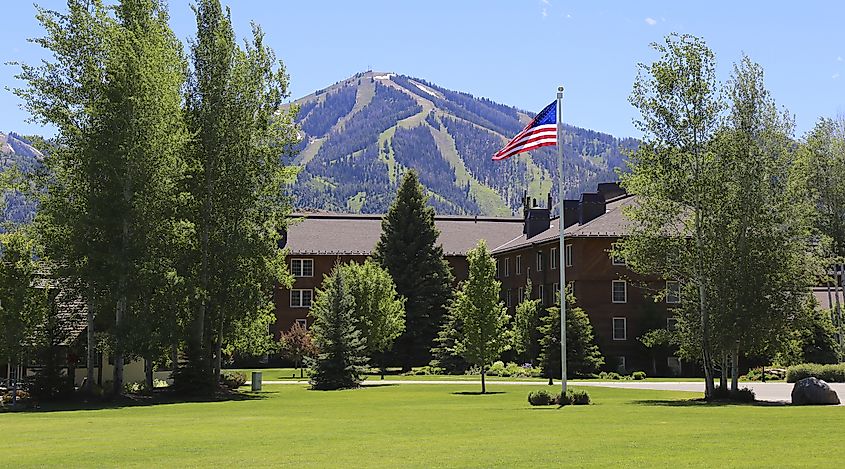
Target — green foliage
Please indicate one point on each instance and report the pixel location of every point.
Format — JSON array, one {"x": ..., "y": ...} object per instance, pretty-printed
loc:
[
  {"x": 380, "y": 311},
  {"x": 409, "y": 251},
  {"x": 638, "y": 375},
  {"x": 483, "y": 317},
  {"x": 828, "y": 373},
  {"x": 541, "y": 397},
  {"x": 342, "y": 351},
  {"x": 744, "y": 395},
  {"x": 811, "y": 338},
  {"x": 756, "y": 374},
  {"x": 582, "y": 354},
  {"x": 233, "y": 379},
  {"x": 297, "y": 345},
  {"x": 525, "y": 324}
]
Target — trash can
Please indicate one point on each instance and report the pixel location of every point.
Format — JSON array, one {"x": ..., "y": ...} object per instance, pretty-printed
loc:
[{"x": 256, "y": 381}]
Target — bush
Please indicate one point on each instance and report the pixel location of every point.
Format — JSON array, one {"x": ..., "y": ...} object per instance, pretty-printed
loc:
[
  {"x": 541, "y": 397},
  {"x": 573, "y": 397},
  {"x": 638, "y": 375},
  {"x": 24, "y": 397},
  {"x": 497, "y": 369},
  {"x": 756, "y": 374},
  {"x": 827, "y": 373},
  {"x": 741, "y": 395},
  {"x": 424, "y": 371},
  {"x": 234, "y": 379},
  {"x": 135, "y": 388},
  {"x": 613, "y": 376}
]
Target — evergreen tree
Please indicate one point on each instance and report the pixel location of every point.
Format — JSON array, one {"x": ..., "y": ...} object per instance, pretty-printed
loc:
[
  {"x": 342, "y": 351},
  {"x": 444, "y": 355},
  {"x": 582, "y": 354},
  {"x": 409, "y": 250},
  {"x": 484, "y": 319}
]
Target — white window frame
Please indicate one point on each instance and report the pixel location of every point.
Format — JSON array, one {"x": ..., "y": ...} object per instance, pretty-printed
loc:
[
  {"x": 624, "y": 328},
  {"x": 624, "y": 291},
  {"x": 568, "y": 255},
  {"x": 298, "y": 293},
  {"x": 520, "y": 294},
  {"x": 508, "y": 300},
  {"x": 671, "y": 324},
  {"x": 302, "y": 262},
  {"x": 541, "y": 294},
  {"x": 519, "y": 264},
  {"x": 618, "y": 260},
  {"x": 677, "y": 298},
  {"x": 553, "y": 259},
  {"x": 623, "y": 368},
  {"x": 498, "y": 268},
  {"x": 302, "y": 322},
  {"x": 539, "y": 261},
  {"x": 507, "y": 267}
]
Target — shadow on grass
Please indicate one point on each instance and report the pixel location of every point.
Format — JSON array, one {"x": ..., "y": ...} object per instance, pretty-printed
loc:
[
  {"x": 366, "y": 384},
  {"x": 476, "y": 393},
  {"x": 138, "y": 400},
  {"x": 704, "y": 403}
]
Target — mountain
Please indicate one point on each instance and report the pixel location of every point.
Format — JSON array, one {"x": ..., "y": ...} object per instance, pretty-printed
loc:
[
  {"x": 18, "y": 150},
  {"x": 360, "y": 134}
]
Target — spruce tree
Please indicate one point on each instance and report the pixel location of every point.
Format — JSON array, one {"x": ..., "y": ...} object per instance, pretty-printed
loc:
[
  {"x": 342, "y": 350},
  {"x": 409, "y": 250},
  {"x": 582, "y": 354}
]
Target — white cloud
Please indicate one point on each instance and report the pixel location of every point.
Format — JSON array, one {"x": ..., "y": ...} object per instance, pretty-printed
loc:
[
  {"x": 544, "y": 12},
  {"x": 835, "y": 76},
  {"x": 839, "y": 59},
  {"x": 568, "y": 16},
  {"x": 650, "y": 21},
  {"x": 545, "y": 2}
]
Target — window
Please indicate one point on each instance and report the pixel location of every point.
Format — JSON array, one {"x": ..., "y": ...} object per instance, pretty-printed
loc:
[
  {"x": 620, "y": 364},
  {"x": 568, "y": 254},
  {"x": 302, "y": 267},
  {"x": 620, "y": 329},
  {"x": 301, "y": 298},
  {"x": 498, "y": 268},
  {"x": 508, "y": 302},
  {"x": 541, "y": 294},
  {"x": 674, "y": 364},
  {"x": 507, "y": 266},
  {"x": 616, "y": 260},
  {"x": 539, "y": 261},
  {"x": 520, "y": 295},
  {"x": 671, "y": 324},
  {"x": 518, "y": 265},
  {"x": 673, "y": 291},
  {"x": 619, "y": 291},
  {"x": 553, "y": 259},
  {"x": 556, "y": 288},
  {"x": 302, "y": 323}
]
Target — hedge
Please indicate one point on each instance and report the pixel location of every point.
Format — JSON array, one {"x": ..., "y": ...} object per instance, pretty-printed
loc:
[{"x": 827, "y": 373}]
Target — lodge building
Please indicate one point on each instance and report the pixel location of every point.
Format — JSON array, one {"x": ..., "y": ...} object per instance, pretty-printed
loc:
[{"x": 621, "y": 304}]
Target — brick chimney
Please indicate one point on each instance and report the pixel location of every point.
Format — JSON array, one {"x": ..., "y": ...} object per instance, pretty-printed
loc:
[
  {"x": 537, "y": 219},
  {"x": 591, "y": 205}
]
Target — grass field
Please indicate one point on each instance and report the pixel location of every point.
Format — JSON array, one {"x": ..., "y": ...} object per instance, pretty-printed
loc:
[{"x": 424, "y": 426}]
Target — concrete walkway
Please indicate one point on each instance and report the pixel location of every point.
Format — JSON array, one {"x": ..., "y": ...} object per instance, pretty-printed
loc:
[{"x": 774, "y": 392}]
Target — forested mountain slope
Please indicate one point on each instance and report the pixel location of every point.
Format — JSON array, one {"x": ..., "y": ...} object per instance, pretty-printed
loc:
[{"x": 361, "y": 133}]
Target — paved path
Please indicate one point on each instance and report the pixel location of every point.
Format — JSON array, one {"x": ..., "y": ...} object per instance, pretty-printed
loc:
[{"x": 775, "y": 392}]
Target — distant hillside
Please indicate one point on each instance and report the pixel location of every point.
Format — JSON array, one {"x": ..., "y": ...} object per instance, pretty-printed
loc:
[
  {"x": 18, "y": 150},
  {"x": 361, "y": 134}
]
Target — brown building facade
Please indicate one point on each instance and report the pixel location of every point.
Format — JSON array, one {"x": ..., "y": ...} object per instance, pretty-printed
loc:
[{"x": 621, "y": 305}]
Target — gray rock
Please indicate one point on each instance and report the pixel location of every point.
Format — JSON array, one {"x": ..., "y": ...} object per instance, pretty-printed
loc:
[{"x": 813, "y": 391}]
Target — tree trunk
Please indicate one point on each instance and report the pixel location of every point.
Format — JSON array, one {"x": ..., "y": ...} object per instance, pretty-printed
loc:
[
  {"x": 118, "y": 353},
  {"x": 723, "y": 376},
  {"x": 653, "y": 365},
  {"x": 91, "y": 355},
  {"x": 483, "y": 383},
  {"x": 218, "y": 351},
  {"x": 299, "y": 365},
  {"x": 735, "y": 368},
  {"x": 148, "y": 374},
  {"x": 707, "y": 359}
]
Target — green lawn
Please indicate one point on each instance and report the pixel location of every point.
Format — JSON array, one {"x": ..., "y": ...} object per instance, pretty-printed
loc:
[{"x": 425, "y": 426}]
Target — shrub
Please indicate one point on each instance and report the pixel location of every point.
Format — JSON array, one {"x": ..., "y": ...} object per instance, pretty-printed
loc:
[
  {"x": 136, "y": 387},
  {"x": 424, "y": 371},
  {"x": 827, "y": 373},
  {"x": 741, "y": 395},
  {"x": 159, "y": 383},
  {"x": 23, "y": 397},
  {"x": 234, "y": 379},
  {"x": 756, "y": 374},
  {"x": 497, "y": 369},
  {"x": 638, "y": 375},
  {"x": 614, "y": 376},
  {"x": 541, "y": 397},
  {"x": 573, "y": 397}
]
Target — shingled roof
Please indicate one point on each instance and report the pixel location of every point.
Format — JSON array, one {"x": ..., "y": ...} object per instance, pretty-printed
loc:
[
  {"x": 350, "y": 234},
  {"x": 612, "y": 224}
]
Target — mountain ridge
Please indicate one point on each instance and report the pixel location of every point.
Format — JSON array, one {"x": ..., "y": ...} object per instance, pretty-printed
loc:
[{"x": 358, "y": 124}]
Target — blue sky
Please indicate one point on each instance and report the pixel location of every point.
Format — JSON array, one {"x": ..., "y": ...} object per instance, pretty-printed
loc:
[{"x": 516, "y": 52}]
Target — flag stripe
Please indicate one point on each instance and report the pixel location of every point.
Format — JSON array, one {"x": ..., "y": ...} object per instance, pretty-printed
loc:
[{"x": 540, "y": 132}]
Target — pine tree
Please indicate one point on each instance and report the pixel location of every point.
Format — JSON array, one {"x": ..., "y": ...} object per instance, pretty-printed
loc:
[
  {"x": 342, "y": 350},
  {"x": 582, "y": 354},
  {"x": 409, "y": 250},
  {"x": 484, "y": 319}
]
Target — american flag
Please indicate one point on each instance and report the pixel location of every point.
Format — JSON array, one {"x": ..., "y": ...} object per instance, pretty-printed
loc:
[{"x": 540, "y": 132}]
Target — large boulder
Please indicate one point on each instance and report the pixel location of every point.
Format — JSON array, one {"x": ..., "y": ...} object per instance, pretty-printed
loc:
[{"x": 813, "y": 391}]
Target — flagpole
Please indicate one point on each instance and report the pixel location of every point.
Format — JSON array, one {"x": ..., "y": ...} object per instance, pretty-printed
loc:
[{"x": 562, "y": 247}]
